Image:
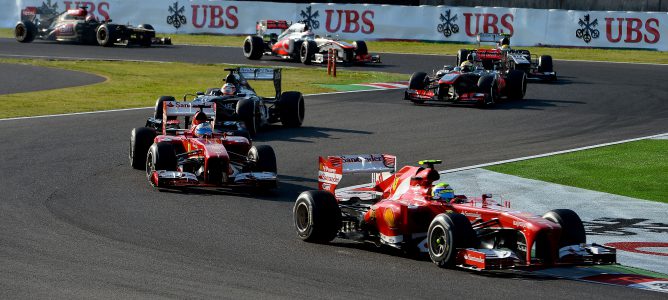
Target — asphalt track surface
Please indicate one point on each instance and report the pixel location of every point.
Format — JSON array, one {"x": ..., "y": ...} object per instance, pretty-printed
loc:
[
  {"x": 15, "y": 78},
  {"x": 77, "y": 222}
]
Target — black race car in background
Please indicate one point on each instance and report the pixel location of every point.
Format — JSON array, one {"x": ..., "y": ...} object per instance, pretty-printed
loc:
[{"x": 77, "y": 25}]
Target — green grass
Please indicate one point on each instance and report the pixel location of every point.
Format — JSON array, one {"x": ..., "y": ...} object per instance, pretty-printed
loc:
[
  {"x": 617, "y": 55},
  {"x": 637, "y": 169},
  {"x": 138, "y": 84}
]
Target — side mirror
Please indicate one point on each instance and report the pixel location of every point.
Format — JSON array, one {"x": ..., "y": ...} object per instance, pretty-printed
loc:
[{"x": 200, "y": 93}]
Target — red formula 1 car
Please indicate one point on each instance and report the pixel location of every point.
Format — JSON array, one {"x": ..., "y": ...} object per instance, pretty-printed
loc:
[
  {"x": 299, "y": 43},
  {"x": 399, "y": 211},
  {"x": 200, "y": 155}
]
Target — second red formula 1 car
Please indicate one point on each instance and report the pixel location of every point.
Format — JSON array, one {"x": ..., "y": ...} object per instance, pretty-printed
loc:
[
  {"x": 403, "y": 210},
  {"x": 199, "y": 154}
]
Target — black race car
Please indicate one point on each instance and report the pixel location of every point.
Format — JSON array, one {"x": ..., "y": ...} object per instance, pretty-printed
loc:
[
  {"x": 244, "y": 112},
  {"x": 77, "y": 25}
]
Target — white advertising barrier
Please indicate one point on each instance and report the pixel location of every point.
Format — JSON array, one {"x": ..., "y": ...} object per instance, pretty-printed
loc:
[{"x": 644, "y": 30}]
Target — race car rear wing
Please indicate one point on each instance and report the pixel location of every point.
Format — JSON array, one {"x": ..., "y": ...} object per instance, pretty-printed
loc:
[
  {"x": 491, "y": 37},
  {"x": 262, "y": 26},
  {"x": 332, "y": 168},
  {"x": 250, "y": 73},
  {"x": 185, "y": 109}
]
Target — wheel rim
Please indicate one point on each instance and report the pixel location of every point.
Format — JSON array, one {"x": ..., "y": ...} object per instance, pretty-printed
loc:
[
  {"x": 247, "y": 47},
  {"x": 20, "y": 31},
  {"x": 302, "y": 217},
  {"x": 302, "y": 52},
  {"x": 103, "y": 35},
  {"x": 150, "y": 167},
  {"x": 438, "y": 242}
]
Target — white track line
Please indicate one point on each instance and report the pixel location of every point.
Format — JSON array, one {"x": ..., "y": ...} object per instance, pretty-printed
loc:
[{"x": 551, "y": 153}]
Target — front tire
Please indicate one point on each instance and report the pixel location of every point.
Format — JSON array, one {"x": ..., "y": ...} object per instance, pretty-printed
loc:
[
  {"x": 462, "y": 54},
  {"x": 161, "y": 156},
  {"x": 291, "y": 109},
  {"x": 307, "y": 51},
  {"x": 253, "y": 47},
  {"x": 447, "y": 233},
  {"x": 545, "y": 64},
  {"x": 572, "y": 229},
  {"x": 106, "y": 35},
  {"x": 264, "y": 158},
  {"x": 317, "y": 216},
  {"x": 488, "y": 85},
  {"x": 141, "y": 139},
  {"x": 147, "y": 39}
]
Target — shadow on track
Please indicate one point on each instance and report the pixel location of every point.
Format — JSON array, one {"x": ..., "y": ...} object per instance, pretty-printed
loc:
[{"x": 299, "y": 135}]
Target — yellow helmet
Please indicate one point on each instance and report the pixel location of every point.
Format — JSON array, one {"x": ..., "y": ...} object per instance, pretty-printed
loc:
[
  {"x": 505, "y": 47},
  {"x": 467, "y": 66}
]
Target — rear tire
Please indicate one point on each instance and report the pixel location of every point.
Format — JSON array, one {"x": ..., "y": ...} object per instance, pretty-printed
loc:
[
  {"x": 141, "y": 139},
  {"x": 158, "y": 111},
  {"x": 307, "y": 51},
  {"x": 447, "y": 233},
  {"x": 253, "y": 47},
  {"x": 517, "y": 84},
  {"x": 25, "y": 32},
  {"x": 246, "y": 110},
  {"x": 317, "y": 216},
  {"x": 291, "y": 109},
  {"x": 572, "y": 229}
]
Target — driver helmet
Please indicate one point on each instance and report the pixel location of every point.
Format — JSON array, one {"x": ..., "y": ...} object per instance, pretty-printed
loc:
[
  {"x": 203, "y": 130},
  {"x": 228, "y": 89},
  {"x": 467, "y": 66},
  {"x": 442, "y": 191},
  {"x": 505, "y": 47},
  {"x": 91, "y": 18}
]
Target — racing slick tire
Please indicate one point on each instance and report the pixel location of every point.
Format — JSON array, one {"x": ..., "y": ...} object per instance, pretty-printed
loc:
[
  {"x": 516, "y": 87},
  {"x": 572, "y": 229},
  {"x": 462, "y": 54},
  {"x": 264, "y": 158},
  {"x": 161, "y": 156},
  {"x": 545, "y": 64},
  {"x": 106, "y": 35},
  {"x": 253, "y": 47},
  {"x": 25, "y": 31},
  {"x": 307, "y": 51},
  {"x": 294, "y": 47},
  {"x": 247, "y": 112},
  {"x": 418, "y": 81},
  {"x": 488, "y": 85},
  {"x": 141, "y": 139},
  {"x": 147, "y": 40},
  {"x": 291, "y": 109},
  {"x": 317, "y": 216},
  {"x": 360, "y": 48},
  {"x": 157, "y": 114},
  {"x": 447, "y": 233}
]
